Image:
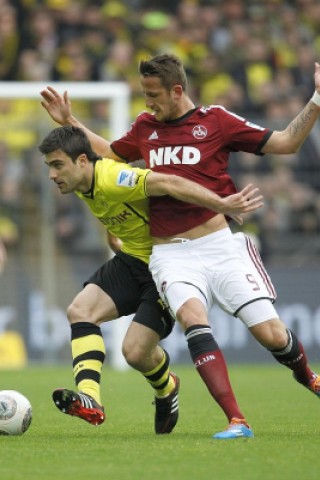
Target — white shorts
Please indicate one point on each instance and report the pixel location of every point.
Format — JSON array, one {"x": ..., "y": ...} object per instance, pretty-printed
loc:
[{"x": 221, "y": 268}]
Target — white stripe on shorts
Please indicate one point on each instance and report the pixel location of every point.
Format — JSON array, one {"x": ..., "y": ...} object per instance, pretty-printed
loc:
[{"x": 257, "y": 261}]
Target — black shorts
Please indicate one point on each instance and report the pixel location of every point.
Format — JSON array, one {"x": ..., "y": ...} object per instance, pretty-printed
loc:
[{"x": 128, "y": 281}]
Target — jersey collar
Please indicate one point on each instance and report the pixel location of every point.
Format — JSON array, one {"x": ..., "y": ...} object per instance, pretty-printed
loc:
[
  {"x": 90, "y": 193},
  {"x": 180, "y": 119}
]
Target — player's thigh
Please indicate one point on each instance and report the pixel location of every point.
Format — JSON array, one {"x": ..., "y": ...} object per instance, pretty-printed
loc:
[
  {"x": 116, "y": 279},
  {"x": 242, "y": 278},
  {"x": 93, "y": 305},
  {"x": 178, "y": 275},
  {"x": 188, "y": 304}
]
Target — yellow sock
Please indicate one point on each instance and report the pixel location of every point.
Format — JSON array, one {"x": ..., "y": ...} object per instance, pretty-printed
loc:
[
  {"x": 88, "y": 353},
  {"x": 160, "y": 378}
]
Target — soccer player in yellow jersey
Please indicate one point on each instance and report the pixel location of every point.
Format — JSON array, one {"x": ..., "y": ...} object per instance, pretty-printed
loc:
[{"x": 117, "y": 195}]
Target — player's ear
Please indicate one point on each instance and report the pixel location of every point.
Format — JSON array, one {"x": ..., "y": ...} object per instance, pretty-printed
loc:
[
  {"x": 177, "y": 91},
  {"x": 82, "y": 159}
]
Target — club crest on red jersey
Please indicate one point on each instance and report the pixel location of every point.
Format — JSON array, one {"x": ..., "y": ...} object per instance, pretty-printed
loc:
[{"x": 199, "y": 131}]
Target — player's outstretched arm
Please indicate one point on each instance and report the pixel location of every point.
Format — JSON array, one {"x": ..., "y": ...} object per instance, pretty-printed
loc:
[
  {"x": 291, "y": 139},
  {"x": 59, "y": 108},
  {"x": 187, "y": 191}
]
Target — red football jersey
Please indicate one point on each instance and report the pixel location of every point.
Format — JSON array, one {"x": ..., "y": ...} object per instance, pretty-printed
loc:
[{"x": 195, "y": 146}]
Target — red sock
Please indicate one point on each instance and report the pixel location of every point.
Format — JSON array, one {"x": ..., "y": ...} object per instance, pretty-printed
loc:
[
  {"x": 213, "y": 371},
  {"x": 210, "y": 363}
]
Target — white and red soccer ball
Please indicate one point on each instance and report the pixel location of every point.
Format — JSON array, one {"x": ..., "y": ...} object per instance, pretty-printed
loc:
[{"x": 15, "y": 413}]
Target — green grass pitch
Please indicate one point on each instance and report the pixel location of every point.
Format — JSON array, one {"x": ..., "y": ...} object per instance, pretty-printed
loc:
[{"x": 284, "y": 416}]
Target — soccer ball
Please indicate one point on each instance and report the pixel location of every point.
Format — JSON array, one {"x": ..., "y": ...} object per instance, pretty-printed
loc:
[{"x": 15, "y": 413}]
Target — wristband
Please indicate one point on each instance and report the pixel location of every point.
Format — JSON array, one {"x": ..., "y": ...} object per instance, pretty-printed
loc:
[{"x": 316, "y": 98}]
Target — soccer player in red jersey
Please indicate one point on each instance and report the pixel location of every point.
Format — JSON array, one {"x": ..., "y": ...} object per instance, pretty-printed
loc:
[{"x": 197, "y": 261}]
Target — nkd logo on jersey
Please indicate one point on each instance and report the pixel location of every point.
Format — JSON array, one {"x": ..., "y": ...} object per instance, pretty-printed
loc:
[{"x": 176, "y": 155}]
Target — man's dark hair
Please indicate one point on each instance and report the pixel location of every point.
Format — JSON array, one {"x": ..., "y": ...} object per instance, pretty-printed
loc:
[
  {"x": 166, "y": 67},
  {"x": 70, "y": 140}
]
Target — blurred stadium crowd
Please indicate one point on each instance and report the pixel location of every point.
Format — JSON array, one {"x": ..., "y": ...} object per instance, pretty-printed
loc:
[{"x": 254, "y": 57}]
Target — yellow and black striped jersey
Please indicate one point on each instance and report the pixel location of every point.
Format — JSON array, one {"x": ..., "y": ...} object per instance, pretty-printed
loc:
[{"x": 119, "y": 200}]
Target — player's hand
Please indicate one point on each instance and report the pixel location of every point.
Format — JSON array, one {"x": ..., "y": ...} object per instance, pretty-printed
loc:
[
  {"x": 244, "y": 201},
  {"x": 58, "y": 106}
]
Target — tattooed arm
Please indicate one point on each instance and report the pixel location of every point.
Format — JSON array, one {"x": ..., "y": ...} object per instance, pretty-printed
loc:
[{"x": 291, "y": 139}]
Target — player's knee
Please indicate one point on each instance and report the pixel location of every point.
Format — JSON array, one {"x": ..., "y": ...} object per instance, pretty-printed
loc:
[
  {"x": 272, "y": 334},
  {"x": 132, "y": 353},
  {"x": 187, "y": 317},
  {"x": 74, "y": 313},
  {"x": 70, "y": 313},
  {"x": 129, "y": 351},
  {"x": 277, "y": 341}
]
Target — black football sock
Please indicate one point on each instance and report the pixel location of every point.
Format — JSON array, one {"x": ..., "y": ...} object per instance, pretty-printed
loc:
[{"x": 294, "y": 357}]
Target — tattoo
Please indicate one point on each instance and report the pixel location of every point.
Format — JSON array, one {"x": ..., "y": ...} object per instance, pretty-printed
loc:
[{"x": 303, "y": 120}]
